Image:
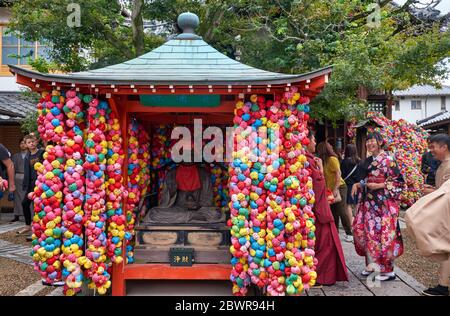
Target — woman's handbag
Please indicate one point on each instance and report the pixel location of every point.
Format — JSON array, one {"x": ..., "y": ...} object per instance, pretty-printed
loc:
[{"x": 337, "y": 197}]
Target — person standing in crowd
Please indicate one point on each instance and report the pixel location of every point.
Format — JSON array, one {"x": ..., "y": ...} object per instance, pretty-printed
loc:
[
  {"x": 429, "y": 166},
  {"x": 337, "y": 185},
  {"x": 440, "y": 149},
  {"x": 350, "y": 173},
  {"x": 376, "y": 229},
  {"x": 331, "y": 262},
  {"x": 7, "y": 168},
  {"x": 33, "y": 156},
  {"x": 19, "y": 163}
]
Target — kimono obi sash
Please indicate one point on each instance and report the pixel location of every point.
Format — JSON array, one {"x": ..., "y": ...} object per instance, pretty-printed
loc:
[{"x": 376, "y": 179}]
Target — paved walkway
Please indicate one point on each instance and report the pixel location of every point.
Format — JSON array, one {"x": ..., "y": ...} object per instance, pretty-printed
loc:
[{"x": 404, "y": 285}]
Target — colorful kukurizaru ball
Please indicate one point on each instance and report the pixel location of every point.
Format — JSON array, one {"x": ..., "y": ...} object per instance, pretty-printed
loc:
[
  {"x": 74, "y": 190},
  {"x": 46, "y": 226},
  {"x": 95, "y": 206},
  {"x": 135, "y": 173},
  {"x": 115, "y": 190},
  {"x": 51, "y": 125},
  {"x": 239, "y": 172},
  {"x": 274, "y": 207}
]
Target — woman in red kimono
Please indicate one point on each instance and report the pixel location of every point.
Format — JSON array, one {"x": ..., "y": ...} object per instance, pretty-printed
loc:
[
  {"x": 376, "y": 231},
  {"x": 331, "y": 263}
]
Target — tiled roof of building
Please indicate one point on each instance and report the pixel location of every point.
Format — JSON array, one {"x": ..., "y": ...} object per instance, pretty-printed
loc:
[
  {"x": 14, "y": 107},
  {"x": 425, "y": 90},
  {"x": 434, "y": 119}
]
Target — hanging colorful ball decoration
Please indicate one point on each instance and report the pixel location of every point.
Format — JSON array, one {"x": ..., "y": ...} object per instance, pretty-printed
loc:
[
  {"x": 272, "y": 223},
  {"x": 95, "y": 210},
  {"x": 74, "y": 191},
  {"x": 51, "y": 121},
  {"x": 115, "y": 190},
  {"x": 46, "y": 226}
]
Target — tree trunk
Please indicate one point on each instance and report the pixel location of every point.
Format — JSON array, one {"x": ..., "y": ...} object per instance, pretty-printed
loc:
[
  {"x": 389, "y": 104},
  {"x": 137, "y": 25},
  {"x": 363, "y": 93}
]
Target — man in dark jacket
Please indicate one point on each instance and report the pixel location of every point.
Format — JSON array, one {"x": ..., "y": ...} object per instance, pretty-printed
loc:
[{"x": 429, "y": 166}]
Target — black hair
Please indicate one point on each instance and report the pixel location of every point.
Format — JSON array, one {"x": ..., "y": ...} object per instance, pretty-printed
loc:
[
  {"x": 441, "y": 139},
  {"x": 351, "y": 152},
  {"x": 377, "y": 136}
]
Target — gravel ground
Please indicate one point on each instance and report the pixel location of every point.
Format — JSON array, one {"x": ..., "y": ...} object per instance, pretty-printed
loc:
[
  {"x": 16, "y": 239},
  {"x": 47, "y": 290},
  {"x": 422, "y": 269},
  {"x": 15, "y": 276}
]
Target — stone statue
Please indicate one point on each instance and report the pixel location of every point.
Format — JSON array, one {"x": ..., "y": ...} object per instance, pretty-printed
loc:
[{"x": 187, "y": 198}]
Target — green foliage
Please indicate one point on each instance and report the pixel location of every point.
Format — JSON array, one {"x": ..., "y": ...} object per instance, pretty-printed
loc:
[
  {"x": 29, "y": 123},
  {"x": 102, "y": 32},
  {"x": 282, "y": 35}
]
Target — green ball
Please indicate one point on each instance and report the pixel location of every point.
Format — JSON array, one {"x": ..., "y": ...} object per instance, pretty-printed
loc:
[
  {"x": 90, "y": 143},
  {"x": 87, "y": 98},
  {"x": 44, "y": 266},
  {"x": 276, "y": 265},
  {"x": 276, "y": 231},
  {"x": 303, "y": 201},
  {"x": 57, "y": 231},
  {"x": 290, "y": 289},
  {"x": 55, "y": 99}
]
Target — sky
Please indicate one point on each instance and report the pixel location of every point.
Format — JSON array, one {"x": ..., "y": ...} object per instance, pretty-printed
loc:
[{"x": 444, "y": 7}]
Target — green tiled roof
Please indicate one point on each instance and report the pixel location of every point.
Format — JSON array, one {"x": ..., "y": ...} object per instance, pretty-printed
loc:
[{"x": 187, "y": 59}]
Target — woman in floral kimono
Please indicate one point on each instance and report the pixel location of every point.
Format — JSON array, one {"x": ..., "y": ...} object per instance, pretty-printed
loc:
[{"x": 376, "y": 230}]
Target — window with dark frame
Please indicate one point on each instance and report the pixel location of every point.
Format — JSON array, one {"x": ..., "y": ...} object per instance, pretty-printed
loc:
[
  {"x": 443, "y": 103},
  {"x": 397, "y": 105},
  {"x": 12, "y": 44},
  {"x": 416, "y": 104}
]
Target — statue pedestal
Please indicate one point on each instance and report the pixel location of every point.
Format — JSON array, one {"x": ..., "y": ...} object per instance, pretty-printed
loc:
[{"x": 209, "y": 241}]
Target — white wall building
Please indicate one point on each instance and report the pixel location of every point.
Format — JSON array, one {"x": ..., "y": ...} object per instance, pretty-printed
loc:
[{"x": 419, "y": 102}]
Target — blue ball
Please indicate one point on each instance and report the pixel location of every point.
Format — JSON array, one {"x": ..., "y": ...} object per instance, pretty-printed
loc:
[
  {"x": 55, "y": 122},
  {"x": 55, "y": 111},
  {"x": 276, "y": 164}
]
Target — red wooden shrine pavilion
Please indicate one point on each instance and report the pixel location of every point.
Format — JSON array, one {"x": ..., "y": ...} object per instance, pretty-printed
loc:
[{"x": 182, "y": 80}]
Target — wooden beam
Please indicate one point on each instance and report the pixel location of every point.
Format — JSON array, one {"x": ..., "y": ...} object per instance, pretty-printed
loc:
[
  {"x": 167, "y": 272},
  {"x": 224, "y": 107}
]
